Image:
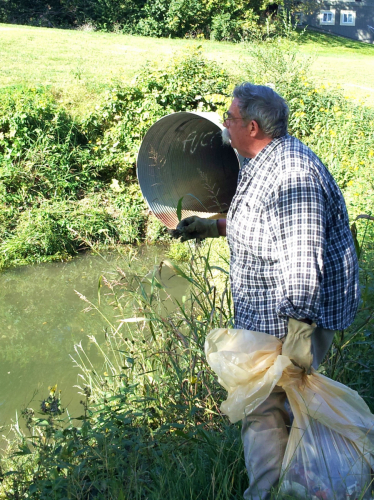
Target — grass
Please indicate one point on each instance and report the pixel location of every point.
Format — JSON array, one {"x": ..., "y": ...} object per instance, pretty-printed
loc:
[
  {"x": 151, "y": 426},
  {"x": 79, "y": 64}
]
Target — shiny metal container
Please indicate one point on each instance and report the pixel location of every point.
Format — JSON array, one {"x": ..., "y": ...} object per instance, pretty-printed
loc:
[{"x": 182, "y": 157}]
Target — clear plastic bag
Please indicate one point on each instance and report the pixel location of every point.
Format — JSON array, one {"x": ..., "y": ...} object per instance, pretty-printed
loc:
[
  {"x": 321, "y": 464},
  {"x": 330, "y": 450}
]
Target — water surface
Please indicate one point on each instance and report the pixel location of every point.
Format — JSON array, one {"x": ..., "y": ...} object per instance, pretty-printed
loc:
[{"x": 42, "y": 318}]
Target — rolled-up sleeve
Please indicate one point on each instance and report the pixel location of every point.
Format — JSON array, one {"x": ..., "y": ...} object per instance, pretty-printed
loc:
[{"x": 299, "y": 227}]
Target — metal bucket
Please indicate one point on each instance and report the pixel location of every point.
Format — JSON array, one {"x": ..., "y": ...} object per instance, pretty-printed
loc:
[{"x": 182, "y": 157}]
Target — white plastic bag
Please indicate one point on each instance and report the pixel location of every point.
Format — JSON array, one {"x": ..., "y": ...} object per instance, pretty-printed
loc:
[{"x": 330, "y": 450}]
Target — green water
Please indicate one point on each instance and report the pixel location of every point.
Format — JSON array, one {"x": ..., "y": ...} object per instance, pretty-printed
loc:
[{"x": 42, "y": 318}]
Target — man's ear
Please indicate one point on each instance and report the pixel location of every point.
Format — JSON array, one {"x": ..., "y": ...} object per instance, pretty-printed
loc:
[{"x": 253, "y": 128}]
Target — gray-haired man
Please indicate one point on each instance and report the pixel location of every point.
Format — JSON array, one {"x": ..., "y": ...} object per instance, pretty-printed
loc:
[{"x": 293, "y": 267}]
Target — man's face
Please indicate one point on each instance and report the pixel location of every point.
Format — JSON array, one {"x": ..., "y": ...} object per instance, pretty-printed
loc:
[{"x": 236, "y": 129}]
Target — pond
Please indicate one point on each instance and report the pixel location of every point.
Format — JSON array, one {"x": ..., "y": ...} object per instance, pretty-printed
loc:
[{"x": 42, "y": 318}]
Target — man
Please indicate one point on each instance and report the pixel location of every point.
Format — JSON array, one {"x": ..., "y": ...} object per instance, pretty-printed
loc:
[{"x": 293, "y": 268}]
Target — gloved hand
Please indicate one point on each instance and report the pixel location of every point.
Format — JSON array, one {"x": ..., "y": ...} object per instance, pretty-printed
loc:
[
  {"x": 298, "y": 344},
  {"x": 194, "y": 227}
]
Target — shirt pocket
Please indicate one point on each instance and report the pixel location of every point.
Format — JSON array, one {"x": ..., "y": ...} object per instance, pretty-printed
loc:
[{"x": 252, "y": 232}]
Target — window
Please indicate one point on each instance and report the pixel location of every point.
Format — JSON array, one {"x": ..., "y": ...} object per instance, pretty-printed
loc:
[
  {"x": 299, "y": 18},
  {"x": 348, "y": 17},
  {"x": 327, "y": 17}
]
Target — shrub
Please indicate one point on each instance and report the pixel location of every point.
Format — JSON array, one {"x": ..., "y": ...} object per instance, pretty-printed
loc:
[
  {"x": 55, "y": 230},
  {"x": 69, "y": 180},
  {"x": 43, "y": 151},
  {"x": 219, "y": 19}
]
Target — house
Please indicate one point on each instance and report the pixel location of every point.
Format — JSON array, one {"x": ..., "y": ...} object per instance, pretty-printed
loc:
[{"x": 349, "y": 18}]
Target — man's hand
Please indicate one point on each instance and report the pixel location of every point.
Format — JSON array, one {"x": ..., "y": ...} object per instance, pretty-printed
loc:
[
  {"x": 194, "y": 227},
  {"x": 298, "y": 344}
]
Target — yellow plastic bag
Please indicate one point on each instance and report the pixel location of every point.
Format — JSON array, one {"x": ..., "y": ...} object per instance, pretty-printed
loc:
[{"x": 330, "y": 450}]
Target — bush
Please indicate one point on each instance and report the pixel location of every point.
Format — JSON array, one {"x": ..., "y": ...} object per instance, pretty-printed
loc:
[
  {"x": 43, "y": 151},
  {"x": 56, "y": 230},
  {"x": 219, "y": 19},
  {"x": 69, "y": 181}
]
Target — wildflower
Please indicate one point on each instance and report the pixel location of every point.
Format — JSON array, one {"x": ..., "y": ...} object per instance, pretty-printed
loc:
[
  {"x": 332, "y": 133},
  {"x": 371, "y": 153}
]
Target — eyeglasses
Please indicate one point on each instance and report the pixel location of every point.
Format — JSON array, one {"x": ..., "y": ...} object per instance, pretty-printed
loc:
[{"x": 227, "y": 117}]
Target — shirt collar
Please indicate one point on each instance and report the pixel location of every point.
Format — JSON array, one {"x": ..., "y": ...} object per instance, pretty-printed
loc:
[{"x": 251, "y": 165}]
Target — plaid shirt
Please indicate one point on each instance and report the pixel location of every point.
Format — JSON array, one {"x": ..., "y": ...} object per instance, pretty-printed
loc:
[{"x": 292, "y": 252}]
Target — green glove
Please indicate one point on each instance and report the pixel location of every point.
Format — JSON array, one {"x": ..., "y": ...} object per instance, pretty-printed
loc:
[
  {"x": 298, "y": 344},
  {"x": 194, "y": 227}
]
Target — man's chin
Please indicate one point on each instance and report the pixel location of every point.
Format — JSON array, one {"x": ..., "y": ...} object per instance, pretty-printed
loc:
[{"x": 226, "y": 139}]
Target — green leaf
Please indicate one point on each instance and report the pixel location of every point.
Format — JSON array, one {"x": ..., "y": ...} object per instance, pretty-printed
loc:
[
  {"x": 179, "y": 209},
  {"x": 355, "y": 240}
]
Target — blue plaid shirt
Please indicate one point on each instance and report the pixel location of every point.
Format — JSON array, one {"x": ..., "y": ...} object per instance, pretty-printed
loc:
[{"x": 292, "y": 252}]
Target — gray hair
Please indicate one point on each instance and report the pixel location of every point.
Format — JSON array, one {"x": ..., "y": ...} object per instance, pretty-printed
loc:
[{"x": 266, "y": 107}]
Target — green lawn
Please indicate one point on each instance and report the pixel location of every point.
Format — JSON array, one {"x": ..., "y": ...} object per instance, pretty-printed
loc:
[{"x": 79, "y": 63}]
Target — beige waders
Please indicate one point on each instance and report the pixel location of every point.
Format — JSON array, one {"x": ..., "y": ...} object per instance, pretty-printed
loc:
[{"x": 265, "y": 431}]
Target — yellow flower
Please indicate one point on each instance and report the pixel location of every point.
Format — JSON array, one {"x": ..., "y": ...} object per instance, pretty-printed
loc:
[
  {"x": 371, "y": 153},
  {"x": 193, "y": 380},
  {"x": 332, "y": 133}
]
